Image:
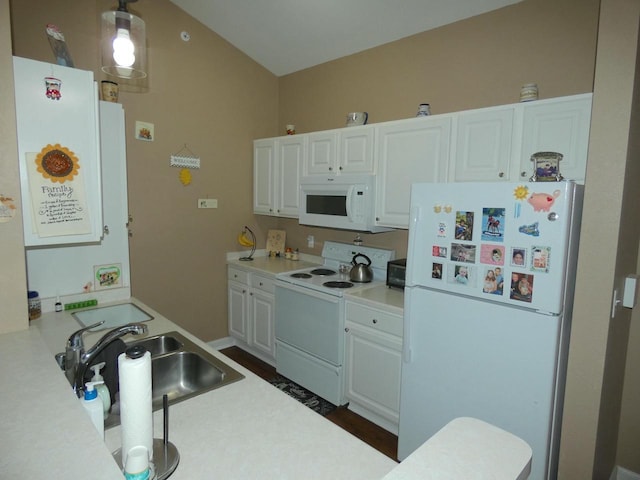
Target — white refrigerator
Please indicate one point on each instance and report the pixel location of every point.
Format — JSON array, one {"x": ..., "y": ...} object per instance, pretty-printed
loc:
[{"x": 488, "y": 299}]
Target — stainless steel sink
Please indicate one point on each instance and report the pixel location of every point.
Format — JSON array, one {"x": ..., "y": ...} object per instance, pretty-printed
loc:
[{"x": 181, "y": 370}]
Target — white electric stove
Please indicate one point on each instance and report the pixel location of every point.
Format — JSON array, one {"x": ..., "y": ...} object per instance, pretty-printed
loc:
[
  {"x": 332, "y": 277},
  {"x": 309, "y": 317}
]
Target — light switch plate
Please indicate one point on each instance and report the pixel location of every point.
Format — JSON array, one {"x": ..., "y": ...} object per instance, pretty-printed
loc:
[{"x": 207, "y": 203}]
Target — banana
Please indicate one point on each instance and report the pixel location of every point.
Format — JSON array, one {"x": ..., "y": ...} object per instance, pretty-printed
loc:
[{"x": 244, "y": 241}]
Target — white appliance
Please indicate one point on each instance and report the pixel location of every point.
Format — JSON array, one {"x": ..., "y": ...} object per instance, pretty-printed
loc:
[
  {"x": 309, "y": 317},
  {"x": 488, "y": 300},
  {"x": 344, "y": 202}
]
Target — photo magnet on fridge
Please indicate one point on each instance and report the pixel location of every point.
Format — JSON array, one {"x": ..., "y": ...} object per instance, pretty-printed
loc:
[{"x": 493, "y": 224}]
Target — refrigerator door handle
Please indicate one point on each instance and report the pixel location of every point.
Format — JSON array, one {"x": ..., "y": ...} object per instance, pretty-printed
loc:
[{"x": 406, "y": 328}]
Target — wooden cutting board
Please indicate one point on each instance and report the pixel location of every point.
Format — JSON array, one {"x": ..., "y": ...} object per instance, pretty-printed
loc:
[{"x": 276, "y": 241}]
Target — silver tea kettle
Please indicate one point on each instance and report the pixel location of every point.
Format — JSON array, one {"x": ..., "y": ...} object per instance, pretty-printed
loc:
[{"x": 360, "y": 272}]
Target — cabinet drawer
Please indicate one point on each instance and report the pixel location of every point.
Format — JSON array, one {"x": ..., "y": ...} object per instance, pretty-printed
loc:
[
  {"x": 237, "y": 275},
  {"x": 374, "y": 318},
  {"x": 263, "y": 283}
]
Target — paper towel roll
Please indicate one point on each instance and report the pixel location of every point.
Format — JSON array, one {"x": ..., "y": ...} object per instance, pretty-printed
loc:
[{"x": 136, "y": 412}]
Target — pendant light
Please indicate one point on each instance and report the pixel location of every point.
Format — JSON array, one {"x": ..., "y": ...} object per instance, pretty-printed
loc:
[{"x": 124, "y": 50}]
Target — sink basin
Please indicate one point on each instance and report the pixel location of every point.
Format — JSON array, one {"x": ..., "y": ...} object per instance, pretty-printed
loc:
[{"x": 181, "y": 370}]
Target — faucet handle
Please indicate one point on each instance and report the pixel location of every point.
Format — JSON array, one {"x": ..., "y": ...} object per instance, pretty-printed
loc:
[{"x": 75, "y": 340}]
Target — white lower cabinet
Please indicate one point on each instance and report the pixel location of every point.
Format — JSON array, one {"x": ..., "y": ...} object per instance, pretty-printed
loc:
[
  {"x": 251, "y": 303},
  {"x": 373, "y": 360}
]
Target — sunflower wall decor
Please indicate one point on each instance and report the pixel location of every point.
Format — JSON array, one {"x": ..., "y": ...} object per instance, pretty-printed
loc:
[{"x": 57, "y": 163}]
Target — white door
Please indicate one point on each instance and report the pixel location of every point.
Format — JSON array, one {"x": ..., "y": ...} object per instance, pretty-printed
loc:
[
  {"x": 356, "y": 150},
  {"x": 238, "y": 309},
  {"x": 262, "y": 318},
  {"x": 408, "y": 152},
  {"x": 372, "y": 370},
  {"x": 323, "y": 153},
  {"x": 264, "y": 165},
  {"x": 483, "y": 145},
  {"x": 468, "y": 358},
  {"x": 67, "y": 130},
  {"x": 291, "y": 154},
  {"x": 557, "y": 126}
]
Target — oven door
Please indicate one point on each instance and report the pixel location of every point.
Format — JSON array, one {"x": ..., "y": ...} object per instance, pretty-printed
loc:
[{"x": 310, "y": 321}]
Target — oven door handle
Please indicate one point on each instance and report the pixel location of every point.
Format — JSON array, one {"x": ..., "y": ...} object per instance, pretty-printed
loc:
[{"x": 307, "y": 291}]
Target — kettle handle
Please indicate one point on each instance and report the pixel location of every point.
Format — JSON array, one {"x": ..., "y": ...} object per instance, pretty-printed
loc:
[{"x": 361, "y": 255}]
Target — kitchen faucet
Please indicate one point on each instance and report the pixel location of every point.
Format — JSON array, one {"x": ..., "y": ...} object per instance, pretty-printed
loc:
[{"x": 76, "y": 360}]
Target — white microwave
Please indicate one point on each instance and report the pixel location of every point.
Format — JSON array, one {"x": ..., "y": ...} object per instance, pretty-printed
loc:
[{"x": 345, "y": 202}]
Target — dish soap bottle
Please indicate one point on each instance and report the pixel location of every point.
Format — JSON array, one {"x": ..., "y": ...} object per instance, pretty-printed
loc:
[
  {"x": 93, "y": 405},
  {"x": 101, "y": 388}
]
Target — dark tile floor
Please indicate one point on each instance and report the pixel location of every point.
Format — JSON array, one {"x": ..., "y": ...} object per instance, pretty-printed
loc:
[{"x": 378, "y": 438}]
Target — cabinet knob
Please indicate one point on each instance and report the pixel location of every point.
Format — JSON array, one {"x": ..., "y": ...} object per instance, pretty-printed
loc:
[
  {"x": 260, "y": 283},
  {"x": 244, "y": 291},
  {"x": 235, "y": 275},
  {"x": 330, "y": 168},
  {"x": 251, "y": 294},
  {"x": 346, "y": 329},
  {"x": 523, "y": 174},
  {"x": 501, "y": 174},
  {"x": 340, "y": 168},
  {"x": 375, "y": 320}
]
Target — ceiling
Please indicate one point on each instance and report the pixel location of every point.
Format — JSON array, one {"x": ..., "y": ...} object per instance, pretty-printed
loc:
[{"x": 285, "y": 36}]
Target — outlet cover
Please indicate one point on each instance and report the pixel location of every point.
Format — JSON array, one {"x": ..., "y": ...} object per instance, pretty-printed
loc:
[{"x": 207, "y": 203}]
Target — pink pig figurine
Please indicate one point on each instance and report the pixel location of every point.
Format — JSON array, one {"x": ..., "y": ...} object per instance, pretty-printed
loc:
[{"x": 542, "y": 202}]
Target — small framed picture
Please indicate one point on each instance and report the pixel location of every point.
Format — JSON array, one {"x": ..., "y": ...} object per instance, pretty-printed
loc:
[
  {"x": 107, "y": 276},
  {"x": 546, "y": 167}
]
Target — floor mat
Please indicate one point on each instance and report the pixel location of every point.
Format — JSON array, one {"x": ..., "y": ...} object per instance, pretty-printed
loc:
[{"x": 304, "y": 396}]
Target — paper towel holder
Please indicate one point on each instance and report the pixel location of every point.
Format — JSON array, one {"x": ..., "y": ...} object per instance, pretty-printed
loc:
[{"x": 165, "y": 454}]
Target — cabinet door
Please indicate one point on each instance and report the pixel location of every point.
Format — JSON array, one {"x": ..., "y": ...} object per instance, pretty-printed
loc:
[
  {"x": 291, "y": 155},
  {"x": 562, "y": 126},
  {"x": 238, "y": 309},
  {"x": 483, "y": 145},
  {"x": 264, "y": 176},
  {"x": 356, "y": 150},
  {"x": 61, "y": 196},
  {"x": 262, "y": 318},
  {"x": 323, "y": 153},
  {"x": 373, "y": 363},
  {"x": 408, "y": 152}
]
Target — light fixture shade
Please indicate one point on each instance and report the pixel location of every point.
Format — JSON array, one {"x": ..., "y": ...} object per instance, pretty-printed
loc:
[{"x": 126, "y": 33}]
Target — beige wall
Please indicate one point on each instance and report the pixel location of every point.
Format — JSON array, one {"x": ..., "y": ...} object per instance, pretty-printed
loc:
[
  {"x": 213, "y": 98},
  {"x": 13, "y": 283},
  {"x": 478, "y": 62},
  {"x": 203, "y": 93}
]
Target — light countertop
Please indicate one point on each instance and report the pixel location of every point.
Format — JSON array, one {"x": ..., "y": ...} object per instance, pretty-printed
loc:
[{"x": 244, "y": 430}]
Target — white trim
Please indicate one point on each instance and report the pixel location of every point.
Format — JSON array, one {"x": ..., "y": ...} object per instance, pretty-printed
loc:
[
  {"x": 221, "y": 343},
  {"x": 620, "y": 473}
]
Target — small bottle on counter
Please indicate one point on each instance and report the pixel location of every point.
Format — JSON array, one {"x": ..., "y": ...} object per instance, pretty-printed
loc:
[
  {"x": 93, "y": 405},
  {"x": 295, "y": 255},
  {"x": 35, "y": 307},
  {"x": 58, "y": 305}
]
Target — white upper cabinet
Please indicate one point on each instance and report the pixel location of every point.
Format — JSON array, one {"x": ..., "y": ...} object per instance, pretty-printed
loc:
[
  {"x": 322, "y": 158},
  {"x": 277, "y": 164},
  {"x": 483, "y": 146},
  {"x": 59, "y": 153},
  {"x": 407, "y": 152},
  {"x": 356, "y": 150},
  {"x": 291, "y": 155},
  {"x": 337, "y": 152},
  {"x": 557, "y": 125},
  {"x": 264, "y": 176}
]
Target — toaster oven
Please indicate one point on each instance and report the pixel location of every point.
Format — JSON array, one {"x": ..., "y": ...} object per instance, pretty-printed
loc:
[{"x": 396, "y": 270}]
